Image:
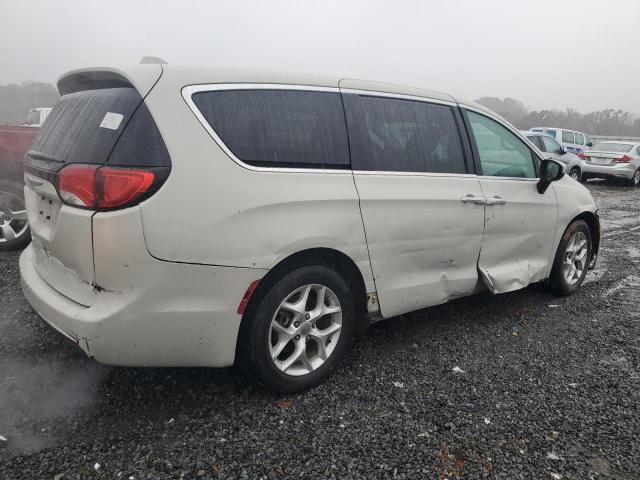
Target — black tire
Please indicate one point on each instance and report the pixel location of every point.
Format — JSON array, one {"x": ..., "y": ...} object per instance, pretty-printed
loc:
[
  {"x": 254, "y": 339},
  {"x": 557, "y": 282},
  {"x": 635, "y": 180},
  {"x": 16, "y": 198},
  {"x": 575, "y": 174}
]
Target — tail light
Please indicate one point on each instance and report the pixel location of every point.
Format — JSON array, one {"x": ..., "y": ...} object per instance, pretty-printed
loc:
[
  {"x": 623, "y": 159},
  {"x": 583, "y": 156},
  {"x": 98, "y": 187}
]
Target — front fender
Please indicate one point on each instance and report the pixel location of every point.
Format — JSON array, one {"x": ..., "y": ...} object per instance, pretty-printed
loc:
[{"x": 575, "y": 201}]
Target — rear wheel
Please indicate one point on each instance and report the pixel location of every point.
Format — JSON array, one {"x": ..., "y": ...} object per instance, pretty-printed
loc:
[
  {"x": 635, "y": 180},
  {"x": 14, "y": 228},
  {"x": 299, "y": 331},
  {"x": 572, "y": 259},
  {"x": 575, "y": 174}
]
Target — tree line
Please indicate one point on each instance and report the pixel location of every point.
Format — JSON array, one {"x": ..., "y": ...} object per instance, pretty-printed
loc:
[
  {"x": 16, "y": 100},
  {"x": 603, "y": 122}
]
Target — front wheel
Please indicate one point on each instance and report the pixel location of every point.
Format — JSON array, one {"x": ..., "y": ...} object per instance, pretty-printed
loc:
[
  {"x": 300, "y": 329},
  {"x": 572, "y": 259},
  {"x": 635, "y": 180}
]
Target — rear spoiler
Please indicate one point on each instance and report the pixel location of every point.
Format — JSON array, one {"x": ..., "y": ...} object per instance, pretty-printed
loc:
[{"x": 141, "y": 77}]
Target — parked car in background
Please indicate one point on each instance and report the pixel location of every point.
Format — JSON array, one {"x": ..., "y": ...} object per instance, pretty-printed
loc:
[
  {"x": 14, "y": 228},
  {"x": 281, "y": 175},
  {"x": 574, "y": 142},
  {"x": 572, "y": 163},
  {"x": 36, "y": 117},
  {"x": 613, "y": 160},
  {"x": 14, "y": 143}
]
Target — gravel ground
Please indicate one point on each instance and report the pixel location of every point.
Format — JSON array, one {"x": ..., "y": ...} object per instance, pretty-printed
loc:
[{"x": 549, "y": 388}]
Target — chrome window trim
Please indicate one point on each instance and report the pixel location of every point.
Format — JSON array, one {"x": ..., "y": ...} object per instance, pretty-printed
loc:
[
  {"x": 189, "y": 90},
  {"x": 519, "y": 179},
  {"x": 413, "y": 174},
  {"x": 398, "y": 96}
]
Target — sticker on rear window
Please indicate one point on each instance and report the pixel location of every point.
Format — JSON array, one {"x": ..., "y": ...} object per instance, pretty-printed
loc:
[{"x": 111, "y": 121}]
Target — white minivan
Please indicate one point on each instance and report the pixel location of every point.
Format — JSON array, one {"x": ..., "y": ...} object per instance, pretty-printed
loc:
[
  {"x": 572, "y": 141},
  {"x": 193, "y": 217}
]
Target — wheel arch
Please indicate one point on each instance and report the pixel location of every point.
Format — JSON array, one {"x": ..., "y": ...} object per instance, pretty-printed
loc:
[
  {"x": 338, "y": 261},
  {"x": 576, "y": 167}
]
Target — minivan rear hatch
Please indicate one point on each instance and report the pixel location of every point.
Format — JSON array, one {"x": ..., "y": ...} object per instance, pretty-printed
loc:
[{"x": 89, "y": 125}]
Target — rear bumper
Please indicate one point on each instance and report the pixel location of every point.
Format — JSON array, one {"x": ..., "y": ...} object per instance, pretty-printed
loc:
[
  {"x": 184, "y": 315},
  {"x": 621, "y": 170}
]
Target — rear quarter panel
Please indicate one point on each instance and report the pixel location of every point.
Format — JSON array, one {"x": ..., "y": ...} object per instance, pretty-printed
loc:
[{"x": 214, "y": 211}]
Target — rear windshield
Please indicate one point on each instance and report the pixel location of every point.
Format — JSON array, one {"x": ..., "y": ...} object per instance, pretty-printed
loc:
[
  {"x": 612, "y": 147},
  {"x": 84, "y": 127}
]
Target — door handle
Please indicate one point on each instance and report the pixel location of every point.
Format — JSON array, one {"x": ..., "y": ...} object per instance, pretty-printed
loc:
[
  {"x": 469, "y": 198},
  {"x": 497, "y": 200}
]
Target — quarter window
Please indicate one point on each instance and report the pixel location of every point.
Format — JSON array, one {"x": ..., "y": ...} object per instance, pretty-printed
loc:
[
  {"x": 279, "y": 128},
  {"x": 502, "y": 154},
  {"x": 567, "y": 137},
  {"x": 551, "y": 146},
  {"x": 389, "y": 134}
]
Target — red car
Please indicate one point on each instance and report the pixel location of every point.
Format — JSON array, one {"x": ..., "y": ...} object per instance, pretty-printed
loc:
[{"x": 14, "y": 228}]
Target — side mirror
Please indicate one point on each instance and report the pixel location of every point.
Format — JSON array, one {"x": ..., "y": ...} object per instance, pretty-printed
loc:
[
  {"x": 589, "y": 144},
  {"x": 563, "y": 150},
  {"x": 550, "y": 171}
]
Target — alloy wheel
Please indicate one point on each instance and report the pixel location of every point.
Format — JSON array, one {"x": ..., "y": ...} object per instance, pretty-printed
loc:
[
  {"x": 305, "y": 330},
  {"x": 13, "y": 217},
  {"x": 575, "y": 258}
]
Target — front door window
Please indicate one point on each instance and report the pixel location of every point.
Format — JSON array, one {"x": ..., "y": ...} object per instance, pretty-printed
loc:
[{"x": 502, "y": 154}]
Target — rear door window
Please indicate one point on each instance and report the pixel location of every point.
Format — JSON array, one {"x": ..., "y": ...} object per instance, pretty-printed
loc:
[
  {"x": 279, "y": 128},
  {"x": 502, "y": 154},
  {"x": 568, "y": 137},
  {"x": 389, "y": 134}
]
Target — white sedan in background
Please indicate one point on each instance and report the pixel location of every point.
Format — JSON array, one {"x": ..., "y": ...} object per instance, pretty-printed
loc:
[{"x": 613, "y": 160}]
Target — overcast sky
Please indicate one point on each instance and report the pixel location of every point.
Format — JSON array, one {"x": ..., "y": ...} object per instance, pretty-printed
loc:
[{"x": 583, "y": 54}]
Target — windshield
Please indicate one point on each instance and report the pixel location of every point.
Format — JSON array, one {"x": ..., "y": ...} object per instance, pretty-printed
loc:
[{"x": 612, "y": 147}]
